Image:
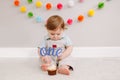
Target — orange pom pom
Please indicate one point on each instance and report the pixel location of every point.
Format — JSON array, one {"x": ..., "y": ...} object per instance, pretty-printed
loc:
[
  {"x": 48, "y": 6},
  {"x": 16, "y": 2},
  {"x": 80, "y": 18}
]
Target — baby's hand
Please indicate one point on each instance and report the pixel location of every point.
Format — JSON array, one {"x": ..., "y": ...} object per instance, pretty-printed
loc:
[{"x": 46, "y": 59}]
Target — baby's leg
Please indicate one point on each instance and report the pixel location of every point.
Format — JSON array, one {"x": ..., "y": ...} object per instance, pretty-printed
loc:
[{"x": 64, "y": 69}]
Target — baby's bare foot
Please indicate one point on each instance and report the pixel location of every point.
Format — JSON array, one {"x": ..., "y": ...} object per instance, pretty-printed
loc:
[{"x": 64, "y": 70}]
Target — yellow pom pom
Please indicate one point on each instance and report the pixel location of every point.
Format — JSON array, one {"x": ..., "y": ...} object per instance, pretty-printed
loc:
[
  {"x": 91, "y": 12},
  {"x": 38, "y": 4},
  {"x": 23, "y": 9}
]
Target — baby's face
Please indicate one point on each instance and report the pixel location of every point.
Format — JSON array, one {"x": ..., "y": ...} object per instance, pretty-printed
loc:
[{"x": 55, "y": 34}]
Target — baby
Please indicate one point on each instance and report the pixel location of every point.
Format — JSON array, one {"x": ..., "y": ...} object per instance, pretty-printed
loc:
[{"x": 56, "y": 38}]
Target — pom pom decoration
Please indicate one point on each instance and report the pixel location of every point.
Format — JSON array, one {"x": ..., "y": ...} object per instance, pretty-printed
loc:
[
  {"x": 16, "y": 2},
  {"x": 100, "y": 5},
  {"x": 81, "y": 0},
  {"x": 69, "y": 21},
  {"x": 48, "y": 6},
  {"x": 30, "y": 14},
  {"x": 29, "y": 1},
  {"x": 59, "y": 6},
  {"x": 70, "y": 3},
  {"x": 38, "y": 19},
  {"x": 23, "y": 9},
  {"x": 91, "y": 13},
  {"x": 80, "y": 18},
  {"x": 38, "y": 4}
]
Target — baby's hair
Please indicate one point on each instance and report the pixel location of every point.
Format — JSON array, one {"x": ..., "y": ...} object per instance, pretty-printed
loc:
[{"x": 55, "y": 22}]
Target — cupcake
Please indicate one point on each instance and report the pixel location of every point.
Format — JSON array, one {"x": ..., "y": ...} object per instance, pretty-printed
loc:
[{"x": 52, "y": 70}]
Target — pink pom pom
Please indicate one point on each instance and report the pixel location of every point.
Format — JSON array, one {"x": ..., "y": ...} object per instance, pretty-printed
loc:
[
  {"x": 81, "y": 0},
  {"x": 69, "y": 21},
  {"x": 59, "y": 6}
]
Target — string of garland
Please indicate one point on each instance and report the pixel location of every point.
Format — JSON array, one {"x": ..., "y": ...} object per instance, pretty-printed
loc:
[{"x": 59, "y": 6}]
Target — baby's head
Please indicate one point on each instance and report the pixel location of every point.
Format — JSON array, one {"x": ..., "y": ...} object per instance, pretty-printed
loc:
[{"x": 55, "y": 27}]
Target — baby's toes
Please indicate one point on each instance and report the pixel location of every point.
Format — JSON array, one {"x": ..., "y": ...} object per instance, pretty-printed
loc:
[{"x": 64, "y": 70}]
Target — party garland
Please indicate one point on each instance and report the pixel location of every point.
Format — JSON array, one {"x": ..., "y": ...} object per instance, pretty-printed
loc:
[{"x": 59, "y": 6}]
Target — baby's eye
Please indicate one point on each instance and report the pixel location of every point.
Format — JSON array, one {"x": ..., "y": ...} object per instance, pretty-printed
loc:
[
  {"x": 58, "y": 34},
  {"x": 52, "y": 34}
]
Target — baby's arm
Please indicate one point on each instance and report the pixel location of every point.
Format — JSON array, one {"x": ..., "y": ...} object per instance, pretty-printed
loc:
[
  {"x": 66, "y": 53},
  {"x": 40, "y": 56},
  {"x": 44, "y": 59},
  {"x": 39, "y": 52}
]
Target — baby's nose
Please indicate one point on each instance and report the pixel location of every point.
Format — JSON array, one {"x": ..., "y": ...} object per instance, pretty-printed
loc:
[{"x": 55, "y": 36}]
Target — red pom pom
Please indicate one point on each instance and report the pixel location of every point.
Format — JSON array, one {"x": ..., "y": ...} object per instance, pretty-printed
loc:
[
  {"x": 59, "y": 6},
  {"x": 69, "y": 21}
]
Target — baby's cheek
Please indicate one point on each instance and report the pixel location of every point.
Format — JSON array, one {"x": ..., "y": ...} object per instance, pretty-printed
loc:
[
  {"x": 59, "y": 37},
  {"x": 51, "y": 36}
]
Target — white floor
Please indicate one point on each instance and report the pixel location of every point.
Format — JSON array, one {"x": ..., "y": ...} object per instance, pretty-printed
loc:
[{"x": 85, "y": 69}]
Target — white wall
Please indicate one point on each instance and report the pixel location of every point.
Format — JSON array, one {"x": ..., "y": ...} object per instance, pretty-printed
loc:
[{"x": 17, "y": 30}]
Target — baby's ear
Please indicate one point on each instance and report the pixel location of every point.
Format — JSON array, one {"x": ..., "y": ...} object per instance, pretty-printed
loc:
[
  {"x": 65, "y": 28},
  {"x": 45, "y": 25}
]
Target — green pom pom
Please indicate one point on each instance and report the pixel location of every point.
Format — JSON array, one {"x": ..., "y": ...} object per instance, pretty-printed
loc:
[
  {"x": 100, "y": 5},
  {"x": 30, "y": 14},
  {"x": 29, "y": 1}
]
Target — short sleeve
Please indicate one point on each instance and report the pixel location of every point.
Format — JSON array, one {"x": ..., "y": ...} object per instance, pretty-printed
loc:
[{"x": 68, "y": 42}]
